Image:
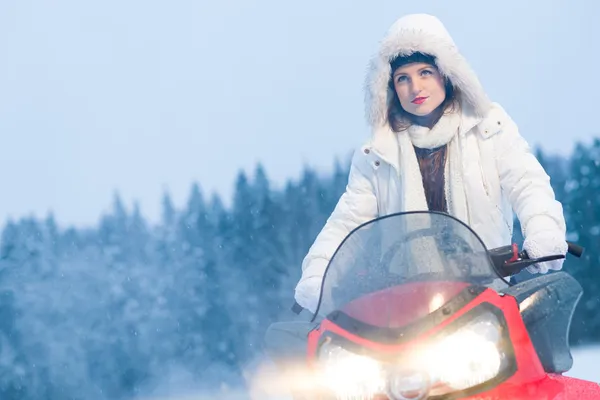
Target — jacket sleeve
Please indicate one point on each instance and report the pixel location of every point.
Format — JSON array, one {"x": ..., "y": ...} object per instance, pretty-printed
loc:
[
  {"x": 527, "y": 185},
  {"x": 358, "y": 204}
]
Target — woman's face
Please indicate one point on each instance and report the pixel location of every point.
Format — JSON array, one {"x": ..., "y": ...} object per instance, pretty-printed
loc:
[{"x": 420, "y": 88}]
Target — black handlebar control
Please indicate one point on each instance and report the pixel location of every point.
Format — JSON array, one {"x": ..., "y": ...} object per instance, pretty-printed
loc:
[{"x": 508, "y": 260}]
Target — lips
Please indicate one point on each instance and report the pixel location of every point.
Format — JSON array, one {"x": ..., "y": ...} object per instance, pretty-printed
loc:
[{"x": 419, "y": 100}]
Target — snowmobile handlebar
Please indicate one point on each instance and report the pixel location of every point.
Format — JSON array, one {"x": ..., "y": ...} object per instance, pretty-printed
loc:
[
  {"x": 575, "y": 249},
  {"x": 508, "y": 260}
]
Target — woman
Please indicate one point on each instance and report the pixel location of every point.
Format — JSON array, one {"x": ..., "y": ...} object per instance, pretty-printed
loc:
[{"x": 438, "y": 143}]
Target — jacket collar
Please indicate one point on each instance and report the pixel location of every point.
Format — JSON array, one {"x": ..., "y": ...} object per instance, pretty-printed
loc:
[{"x": 384, "y": 142}]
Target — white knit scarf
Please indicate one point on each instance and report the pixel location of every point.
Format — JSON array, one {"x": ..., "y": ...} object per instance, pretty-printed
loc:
[
  {"x": 443, "y": 133},
  {"x": 424, "y": 251}
]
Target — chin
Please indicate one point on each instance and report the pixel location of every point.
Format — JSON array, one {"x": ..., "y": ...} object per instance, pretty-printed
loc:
[{"x": 422, "y": 111}]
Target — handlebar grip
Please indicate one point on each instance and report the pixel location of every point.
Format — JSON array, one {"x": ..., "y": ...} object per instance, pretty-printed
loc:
[
  {"x": 575, "y": 249},
  {"x": 505, "y": 262}
]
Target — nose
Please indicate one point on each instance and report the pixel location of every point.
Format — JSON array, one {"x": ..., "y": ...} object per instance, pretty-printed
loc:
[{"x": 416, "y": 87}]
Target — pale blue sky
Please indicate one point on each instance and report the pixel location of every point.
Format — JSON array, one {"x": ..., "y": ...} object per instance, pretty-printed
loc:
[{"x": 142, "y": 95}]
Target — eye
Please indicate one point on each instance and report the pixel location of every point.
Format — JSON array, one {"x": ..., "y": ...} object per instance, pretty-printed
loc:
[
  {"x": 426, "y": 72},
  {"x": 401, "y": 78}
]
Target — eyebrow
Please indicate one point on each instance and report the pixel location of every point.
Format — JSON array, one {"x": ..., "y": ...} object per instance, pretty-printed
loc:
[{"x": 419, "y": 70}]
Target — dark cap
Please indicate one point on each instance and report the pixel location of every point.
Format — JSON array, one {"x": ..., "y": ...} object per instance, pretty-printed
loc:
[{"x": 416, "y": 57}]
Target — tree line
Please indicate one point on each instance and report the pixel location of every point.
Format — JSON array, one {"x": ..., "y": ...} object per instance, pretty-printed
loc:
[{"x": 119, "y": 309}]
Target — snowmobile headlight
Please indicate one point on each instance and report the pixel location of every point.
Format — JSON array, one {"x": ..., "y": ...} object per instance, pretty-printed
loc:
[
  {"x": 350, "y": 375},
  {"x": 468, "y": 357}
]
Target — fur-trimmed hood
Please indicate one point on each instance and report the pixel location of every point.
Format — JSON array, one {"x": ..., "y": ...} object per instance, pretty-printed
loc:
[{"x": 421, "y": 33}]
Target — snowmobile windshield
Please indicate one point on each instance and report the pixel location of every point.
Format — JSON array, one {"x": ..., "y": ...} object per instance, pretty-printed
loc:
[{"x": 409, "y": 264}]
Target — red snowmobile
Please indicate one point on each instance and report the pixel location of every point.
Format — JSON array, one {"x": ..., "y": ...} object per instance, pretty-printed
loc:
[{"x": 417, "y": 308}]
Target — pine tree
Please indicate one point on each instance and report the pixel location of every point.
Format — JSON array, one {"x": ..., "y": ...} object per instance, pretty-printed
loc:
[
  {"x": 239, "y": 243},
  {"x": 190, "y": 283},
  {"x": 14, "y": 365},
  {"x": 268, "y": 270},
  {"x": 582, "y": 199}
]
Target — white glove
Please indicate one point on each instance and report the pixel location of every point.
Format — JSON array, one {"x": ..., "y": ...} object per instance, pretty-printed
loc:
[
  {"x": 307, "y": 294},
  {"x": 545, "y": 244}
]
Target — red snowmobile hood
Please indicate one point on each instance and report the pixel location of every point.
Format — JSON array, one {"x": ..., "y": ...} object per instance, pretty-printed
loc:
[{"x": 402, "y": 305}]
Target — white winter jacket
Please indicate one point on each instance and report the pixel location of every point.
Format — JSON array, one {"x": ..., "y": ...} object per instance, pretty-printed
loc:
[{"x": 499, "y": 171}]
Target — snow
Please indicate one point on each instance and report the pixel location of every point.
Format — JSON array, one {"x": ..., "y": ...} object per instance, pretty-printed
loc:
[
  {"x": 585, "y": 363},
  {"x": 585, "y": 366}
]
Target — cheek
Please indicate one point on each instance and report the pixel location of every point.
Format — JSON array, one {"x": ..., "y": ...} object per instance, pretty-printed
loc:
[
  {"x": 439, "y": 87},
  {"x": 403, "y": 94}
]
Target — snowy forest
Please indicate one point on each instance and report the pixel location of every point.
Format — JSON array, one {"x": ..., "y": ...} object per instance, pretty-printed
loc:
[{"x": 118, "y": 310}]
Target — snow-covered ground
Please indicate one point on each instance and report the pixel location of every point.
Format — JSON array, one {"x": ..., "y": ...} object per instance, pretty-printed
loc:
[{"x": 586, "y": 365}]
